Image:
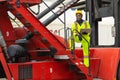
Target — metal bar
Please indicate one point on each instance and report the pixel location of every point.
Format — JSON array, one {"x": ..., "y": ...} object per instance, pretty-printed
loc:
[
  {"x": 117, "y": 22},
  {"x": 93, "y": 23},
  {"x": 36, "y": 13},
  {"x": 53, "y": 12},
  {"x": 55, "y": 4},
  {"x": 18, "y": 3},
  {"x": 59, "y": 12},
  {"x": 86, "y": 16},
  {"x": 79, "y": 3},
  {"x": 65, "y": 33},
  {"x": 25, "y": 1}
]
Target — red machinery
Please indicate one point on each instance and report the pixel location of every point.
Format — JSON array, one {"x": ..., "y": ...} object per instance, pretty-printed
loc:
[{"x": 29, "y": 53}]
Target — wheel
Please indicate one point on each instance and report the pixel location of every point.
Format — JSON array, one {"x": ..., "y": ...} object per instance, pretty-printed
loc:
[{"x": 118, "y": 72}]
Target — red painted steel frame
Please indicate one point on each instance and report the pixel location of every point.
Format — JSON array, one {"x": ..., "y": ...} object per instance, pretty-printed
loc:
[
  {"x": 106, "y": 70},
  {"x": 110, "y": 58},
  {"x": 27, "y": 1},
  {"x": 27, "y": 15},
  {"x": 49, "y": 70},
  {"x": 6, "y": 27},
  {"x": 5, "y": 65},
  {"x": 104, "y": 61}
]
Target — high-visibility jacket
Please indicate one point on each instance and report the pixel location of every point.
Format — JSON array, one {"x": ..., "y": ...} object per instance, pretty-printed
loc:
[{"x": 85, "y": 44}]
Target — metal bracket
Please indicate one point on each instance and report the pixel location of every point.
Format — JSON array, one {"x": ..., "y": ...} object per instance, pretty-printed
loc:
[{"x": 18, "y": 3}]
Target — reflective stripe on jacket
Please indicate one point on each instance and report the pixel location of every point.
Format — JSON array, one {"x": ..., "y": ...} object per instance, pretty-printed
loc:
[{"x": 78, "y": 27}]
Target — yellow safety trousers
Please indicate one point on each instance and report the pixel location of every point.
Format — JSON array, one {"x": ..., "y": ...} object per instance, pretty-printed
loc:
[{"x": 85, "y": 44}]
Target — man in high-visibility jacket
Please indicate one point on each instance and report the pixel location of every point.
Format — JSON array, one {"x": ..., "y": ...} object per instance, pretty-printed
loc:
[{"x": 76, "y": 27}]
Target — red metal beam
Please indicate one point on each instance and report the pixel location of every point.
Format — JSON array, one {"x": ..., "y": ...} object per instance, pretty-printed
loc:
[
  {"x": 25, "y": 1},
  {"x": 5, "y": 65},
  {"x": 5, "y": 25}
]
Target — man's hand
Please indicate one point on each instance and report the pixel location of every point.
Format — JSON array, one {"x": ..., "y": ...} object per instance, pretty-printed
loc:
[
  {"x": 85, "y": 33},
  {"x": 79, "y": 36}
]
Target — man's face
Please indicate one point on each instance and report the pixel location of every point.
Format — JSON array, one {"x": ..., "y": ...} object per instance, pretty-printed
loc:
[{"x": 78, "y": 16}]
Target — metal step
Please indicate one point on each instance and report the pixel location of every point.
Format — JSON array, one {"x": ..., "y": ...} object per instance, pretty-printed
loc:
[
  {"x": 61, "y": 57},
  {"x": 97, "y": 79},
  {"x": 94, "y": 79}
]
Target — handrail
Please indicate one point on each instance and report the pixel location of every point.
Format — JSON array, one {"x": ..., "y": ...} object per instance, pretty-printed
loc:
[
  {"x": 55, "y": 4},
  {"x": 53, "y": 12},
  {"x": 59, "y": 12}
]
